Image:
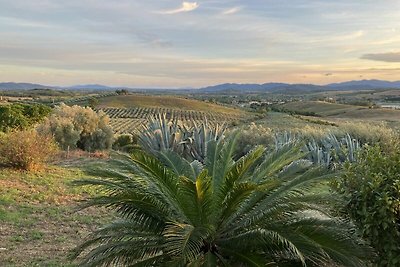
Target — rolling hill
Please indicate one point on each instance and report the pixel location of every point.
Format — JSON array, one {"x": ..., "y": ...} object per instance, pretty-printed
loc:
[
  {"x": 172, "y": 102},
  {"x": 230, "y": 87},
  {"x": 365, "y": 84},
  {"x": 291, "y": 88},
  {"x": 342, "y": 111},
  {"x": 22, "y": 86}
]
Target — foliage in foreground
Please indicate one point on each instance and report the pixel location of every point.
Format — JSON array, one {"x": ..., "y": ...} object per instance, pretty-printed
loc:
[
  {"x": 333, "y": 152},
  {"x": 371, "y": 133},
  {"x": 21, "y": 116},
  {"x": 372, "y": 189},
  {"x": 25, "y": 150},
  {"x": 263, "y": 209},
  {"x": 126, "y": 143},
  {"x": 78, "y": 127},
  {"x": 253, "y": 135},
  {"x": 189, "y": 141}
]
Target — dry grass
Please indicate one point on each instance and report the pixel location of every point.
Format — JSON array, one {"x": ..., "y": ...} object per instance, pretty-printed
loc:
[
  {"x": 39, "y": 221},
  {"x": 370, "y": 132},
  {"x": 344, "y": 112},
  {"x": 26, "y": 150}
]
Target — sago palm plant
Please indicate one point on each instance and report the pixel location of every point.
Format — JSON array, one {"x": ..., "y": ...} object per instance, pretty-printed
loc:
[{"x": 265, "y": 209}]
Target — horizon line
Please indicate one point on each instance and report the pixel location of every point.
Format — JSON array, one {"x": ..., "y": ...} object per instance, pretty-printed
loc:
[{"x": 191, "y": 87}]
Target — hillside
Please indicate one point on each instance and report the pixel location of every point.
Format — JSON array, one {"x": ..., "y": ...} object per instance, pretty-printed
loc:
[
  {"x": 273, "y": 87},
  {"x": 296, "y": 88},
  {"x": 171, "y": 102},
  {"x": 342, "y": 111},
  {"x": 22, "y": 86},
  {"x": 266, "y": 87}
]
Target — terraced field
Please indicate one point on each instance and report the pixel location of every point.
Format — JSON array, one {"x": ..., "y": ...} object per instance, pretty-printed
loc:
[
  {"x": 164, "y": 101},
  {"x": 128, "y": 120}
]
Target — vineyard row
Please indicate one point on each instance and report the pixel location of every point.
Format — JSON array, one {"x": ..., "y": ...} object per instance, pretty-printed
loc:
[
  {"x": 145, "y": 113},
  {"x": 130, "y": 120}
]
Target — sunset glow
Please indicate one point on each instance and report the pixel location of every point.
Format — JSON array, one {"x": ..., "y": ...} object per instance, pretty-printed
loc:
[{"x": 198, "y": 43}]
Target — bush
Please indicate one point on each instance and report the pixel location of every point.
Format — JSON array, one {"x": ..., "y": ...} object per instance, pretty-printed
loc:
[
  {"x": 26, "y": 150},
  {"x": 257, "y": 134},
  {"x": 372, "y": 188},
  {"x": 93, "y": 102},
  {"x": 370, "y": 133},
  {"x": 252, "y": 136},
  {"x": 21, "y": 116},
  {"x": 126, "y": 143},
  {"x": 294, "y": 112},
  {"x": 315, "y": 132},
  {"x": 78, "y": 127}
]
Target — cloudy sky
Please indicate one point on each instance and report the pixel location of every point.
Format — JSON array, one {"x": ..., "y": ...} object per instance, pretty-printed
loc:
[{"x": 170, "y": 43}]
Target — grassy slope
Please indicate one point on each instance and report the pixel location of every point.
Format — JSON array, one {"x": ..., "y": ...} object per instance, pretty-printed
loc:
[
  {"x": 282, "y": 122},
  {"x": 378, "y": 94},
  {"x": 38, "y": 218},
  {"x": 342, "y": 111},
  {"x": 173, "y": 102}
]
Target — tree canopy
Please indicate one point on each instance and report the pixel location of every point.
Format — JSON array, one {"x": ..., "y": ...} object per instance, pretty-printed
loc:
[{"x": 21, "y": 116}]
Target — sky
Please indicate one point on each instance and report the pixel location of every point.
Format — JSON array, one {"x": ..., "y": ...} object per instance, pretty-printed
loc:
[{"x": 181, "y": 44}]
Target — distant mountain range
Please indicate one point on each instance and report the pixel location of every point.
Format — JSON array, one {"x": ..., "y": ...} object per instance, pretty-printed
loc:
[
  {"x": 22, "y": 86},
  {"x": 31, "y": 86},
  {"x": 266, "y": 87},
  {"x": 367, "y": 84},
  {"x": 91, "y": 87},
  {"x": 230, "y": 87},
  {"x": 286, "y": 87}
]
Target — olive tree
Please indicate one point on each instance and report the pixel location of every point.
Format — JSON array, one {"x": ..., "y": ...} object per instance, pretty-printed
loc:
[{"x": 79, "y": 127}]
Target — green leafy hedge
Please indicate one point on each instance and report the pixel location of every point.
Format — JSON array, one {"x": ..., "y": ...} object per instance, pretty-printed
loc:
[
  {"x": 21, "y": 116},
  {"x": 372, "y": 188}
]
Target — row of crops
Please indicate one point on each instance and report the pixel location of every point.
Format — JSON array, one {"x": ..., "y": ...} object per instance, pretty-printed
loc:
[
  {"x": 86, "y": 98},
  {"x": 144, "y": 113},
  {"x": 125, "y": 126},
  {"x": 69, "y": 101},
  {"x": 128, "y": 120}
]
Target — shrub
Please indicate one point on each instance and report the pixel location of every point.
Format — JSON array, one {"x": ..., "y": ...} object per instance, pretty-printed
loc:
[
  {"x": 26, "y": 150},
  {"x": 372, "y": 188},
  {"x": 252, "y": 136},
  {"x": 93, "y": 102},
  {"x": 257, "y": 134},
  {"x": 78, "y": 127},
  {"x": 294, "y": 112},
  {"x": 370, "y": 133},
  {"x": 315, "y": 132},
  {"x": 125, "y": 143},
  {"x": 21, "y": 116},
  {"x": 122, "y": 92}
]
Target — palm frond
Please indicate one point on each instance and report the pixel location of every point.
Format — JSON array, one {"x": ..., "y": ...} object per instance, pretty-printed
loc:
[
  {"x": 265, "y": 208},
  {"x": 179, "y": 165},
  {"x": 185, "y": 240},
  {"x": 277, "y": 160},
  {"x": 196, "y": 198},
  {"x": 120, "y": 243}
]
